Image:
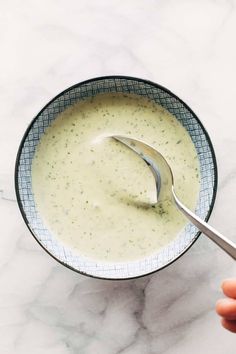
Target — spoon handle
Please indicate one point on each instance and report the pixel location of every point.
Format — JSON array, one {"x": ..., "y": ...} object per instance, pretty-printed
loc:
[{"x": 227, "y": 245}]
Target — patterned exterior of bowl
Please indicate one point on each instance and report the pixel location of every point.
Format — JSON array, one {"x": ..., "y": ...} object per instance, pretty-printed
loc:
[{"x": 25, "y": 196}]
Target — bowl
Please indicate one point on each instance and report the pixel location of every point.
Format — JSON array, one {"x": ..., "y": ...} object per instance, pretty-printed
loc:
[{"x": 23, "y": 183}]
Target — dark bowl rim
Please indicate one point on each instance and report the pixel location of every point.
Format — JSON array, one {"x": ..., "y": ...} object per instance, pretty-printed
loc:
[{"x": 107, "y": 78}]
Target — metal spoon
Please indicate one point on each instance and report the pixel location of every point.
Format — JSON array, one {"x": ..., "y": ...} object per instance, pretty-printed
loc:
[{"x": 163, "y": 175}]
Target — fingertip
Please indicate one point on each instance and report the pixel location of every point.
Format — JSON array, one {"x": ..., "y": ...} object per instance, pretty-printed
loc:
[
  {"x": 223, "y": 322},
  {"x": 226, "y": 281},
  {"x": 219, "y": 306},
  {"x": 229, "y": 287},
  {"x": 226, "y": 308},
  {"x": 229, "y": 325}
]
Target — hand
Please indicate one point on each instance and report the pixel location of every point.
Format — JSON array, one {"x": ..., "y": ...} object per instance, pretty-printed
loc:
[{"x": 226, "y": 308}]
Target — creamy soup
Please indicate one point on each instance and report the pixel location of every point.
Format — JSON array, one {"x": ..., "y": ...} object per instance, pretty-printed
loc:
[{"x": 96, "y": 195}]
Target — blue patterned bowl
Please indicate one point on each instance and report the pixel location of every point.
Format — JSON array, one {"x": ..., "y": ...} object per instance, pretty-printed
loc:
[{"x": 45, "y": 117}]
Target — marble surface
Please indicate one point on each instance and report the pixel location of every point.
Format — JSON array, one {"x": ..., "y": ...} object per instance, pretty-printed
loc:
[{"x": 187, "y": 46}]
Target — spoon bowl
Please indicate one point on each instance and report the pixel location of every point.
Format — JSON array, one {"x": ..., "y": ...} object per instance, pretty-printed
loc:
[
  {"x": 164, "y": 181},
  {"x": 158, "y": 165}
]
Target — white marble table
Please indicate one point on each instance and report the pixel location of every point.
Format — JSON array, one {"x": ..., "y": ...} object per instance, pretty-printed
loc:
[{"x": 187, "y": 46}]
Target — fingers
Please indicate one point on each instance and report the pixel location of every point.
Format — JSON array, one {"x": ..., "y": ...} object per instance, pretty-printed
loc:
[
  {"x": 229, "y": 325},
  {"x": 226, "y": 308},
  {"x": 229, "y": 288}
]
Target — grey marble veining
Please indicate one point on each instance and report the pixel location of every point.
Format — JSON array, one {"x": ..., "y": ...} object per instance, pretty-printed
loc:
[{"x": 187, "y": 46}]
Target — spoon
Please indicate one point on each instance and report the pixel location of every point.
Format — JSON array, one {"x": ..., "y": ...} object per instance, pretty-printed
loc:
[{"x": 163, "y": 176}]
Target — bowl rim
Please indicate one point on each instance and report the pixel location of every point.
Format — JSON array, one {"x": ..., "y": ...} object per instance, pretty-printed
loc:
[{"x": 107, "y": 77}]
